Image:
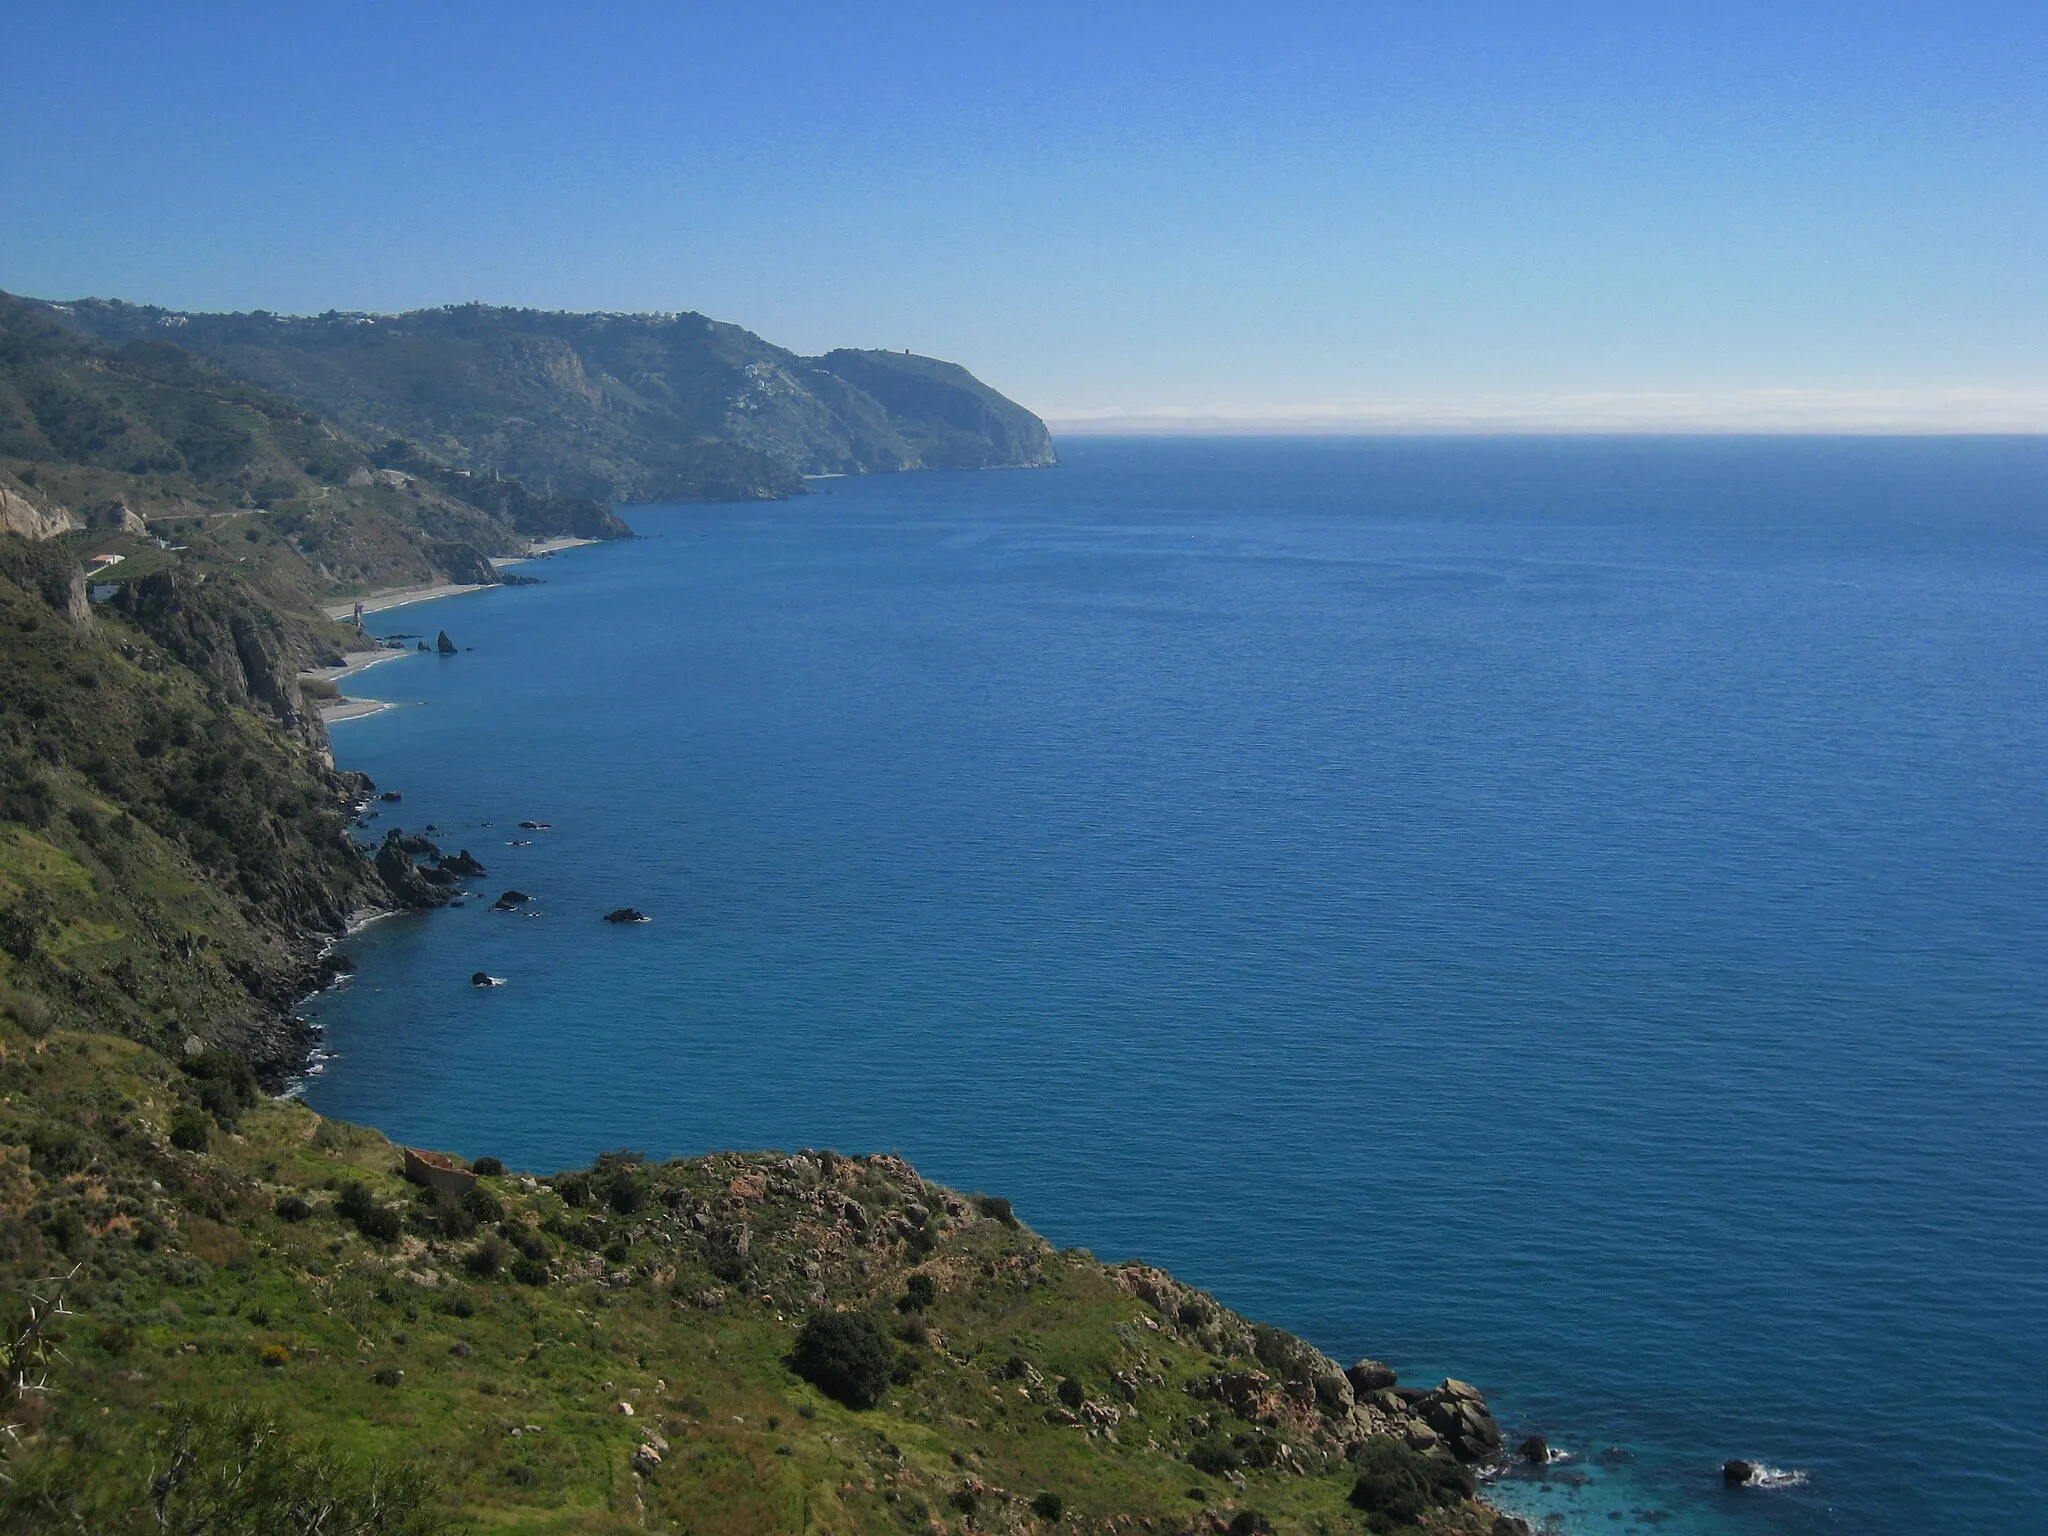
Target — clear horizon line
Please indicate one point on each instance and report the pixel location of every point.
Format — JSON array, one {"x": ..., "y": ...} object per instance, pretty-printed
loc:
[{"x": 1775, "y": 412}]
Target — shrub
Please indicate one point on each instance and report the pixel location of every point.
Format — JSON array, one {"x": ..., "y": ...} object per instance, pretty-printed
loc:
[
  {"x": 574, "y": 1188},
  {"x": 482, "y": 1204},
  {"x": 356, "y": 1204},
  {"x": 624, "y": 1191},
  {"x": 963, "y": 1499},
  {"x": 919, "y": 1294},
  {"x": 996, "y": 1206},
  {"x": 275, "y": 1356},
  {"x": 1397, "y": 1486},
  {"x": 529, "y": 1242},
  {"x": 844, "y": 1355},
  {"x": 488, "y": 1167},
  {"x": 1070, "y": 1392},
  {"x": 529, "y": 1271},
  {"x": 387, "y": 1376},
  {"x": 452, "y": 1216},
  {"x": 292, "y": 1208},
  {"x": 191, "y": 1129},
  {"x": 1214, "y": 1456},
  {"x": 1048, "y": 1506},
  {"x": 488, "y": 1256}
]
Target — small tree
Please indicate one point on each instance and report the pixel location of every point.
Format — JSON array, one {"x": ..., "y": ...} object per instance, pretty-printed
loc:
[{"x": 844, "y": 1355}]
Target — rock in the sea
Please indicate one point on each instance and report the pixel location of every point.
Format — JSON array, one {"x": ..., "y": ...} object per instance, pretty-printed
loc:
[
  {"x": 444, "y": 645},
  {"x": 391, "y": 796},
  {"x": 486, "y": 979},
  {"x": 462, "y": 864},
  {"x": 419, "y": 847},
  {"x": 510, "y": 900},
  {"x": 409, "y": 885},
  {"x": 535, "y": 826},
  {"x": 626, "y": 915},
  {"x": 423, "y": 645},
  {"x": 1737, "y": 1473},
  {"x": 1369, "y": 1376},
  {"x": 1535, "y": 1450},
  {"x": 1458, "y": 1414}
]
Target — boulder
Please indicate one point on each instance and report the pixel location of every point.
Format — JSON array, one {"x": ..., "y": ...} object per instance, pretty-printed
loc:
[
  {"x": 1736, "y": 1473},
  {"x": 626, "y": 915},
  {"x": 1369, "y": 1376},
  {"x": 486, "y": 979},
  {"x": 443, "y": 644},
  {"x": 1458, "y": 1414},
  {"x": 391, "y": 797},
  {"x": 1535, "y": 1451},
  {"x": 510, "y": 900}
]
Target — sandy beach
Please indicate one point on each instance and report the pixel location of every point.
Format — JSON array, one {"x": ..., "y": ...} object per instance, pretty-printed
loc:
[
  {"x": 541, "y": 550},
  {"x": 398, "y": 597},
  {"x": 351, "y": 709}
]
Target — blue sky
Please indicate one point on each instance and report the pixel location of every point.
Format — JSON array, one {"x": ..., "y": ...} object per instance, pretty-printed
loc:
[{"x": 1264, "y": 215}]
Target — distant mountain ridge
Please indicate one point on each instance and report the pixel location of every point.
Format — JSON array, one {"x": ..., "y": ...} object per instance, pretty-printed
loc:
[{"x": 613, "y": 406}]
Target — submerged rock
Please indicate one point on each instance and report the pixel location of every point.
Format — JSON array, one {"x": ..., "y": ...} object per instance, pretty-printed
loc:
[
  {"x": 626, "y": 915},
  {"x": 1535, "y": 1451},
  {"x": 535, "y": 826},
  {"x": 1736, "y": 1473},
  {"x": 486, "y": 979}
]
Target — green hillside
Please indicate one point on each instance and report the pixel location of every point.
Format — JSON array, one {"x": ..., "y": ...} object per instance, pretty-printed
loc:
[{"x": 618, "y": 407}]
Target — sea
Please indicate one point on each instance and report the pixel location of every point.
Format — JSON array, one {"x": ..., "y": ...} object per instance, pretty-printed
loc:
[{"x": 1570, "y": 914}]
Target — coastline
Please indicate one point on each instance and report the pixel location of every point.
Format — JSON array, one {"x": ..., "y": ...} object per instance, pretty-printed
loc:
[{"x": 1436, "y": 1420}]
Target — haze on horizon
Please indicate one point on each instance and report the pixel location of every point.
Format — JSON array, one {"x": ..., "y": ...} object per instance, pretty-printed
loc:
[{"x": 1465, "y": 217}]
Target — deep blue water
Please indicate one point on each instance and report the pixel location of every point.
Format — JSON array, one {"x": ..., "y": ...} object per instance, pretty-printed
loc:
[{"x": 1569, "y": 914}]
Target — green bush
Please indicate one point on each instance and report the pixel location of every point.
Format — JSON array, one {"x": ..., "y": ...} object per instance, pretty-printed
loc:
[
  {"x": 919, "y": 1294},
  {"x": 1048, "y": 1506},
  {"x": 1396, "y": 1486},
  {"x": 356, "y": 1204},
  {"x": 483, "y": 1205},
  {"x": 1070, "y": 1392},
  {"x": 624, "y": 1192},
  {"x": 529, "y": 1271},
  {"x": 1215, "y": 1456},
  {"x": 191, "y": 1129},
  {"x": 488, "y": 1168},
  {"x": 292, "y": 1208},
  {"x": 845, "y": 1356}
]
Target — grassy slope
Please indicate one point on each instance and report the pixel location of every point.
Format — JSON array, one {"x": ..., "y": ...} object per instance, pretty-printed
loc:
[{"x": 509, "y": 1394}]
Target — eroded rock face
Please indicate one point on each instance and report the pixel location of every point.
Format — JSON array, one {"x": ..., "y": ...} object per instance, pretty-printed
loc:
[
  {"x": 117, "y": 516},
  {"x": 24, "y": 513},
  {"x": 252, "y": 653}
]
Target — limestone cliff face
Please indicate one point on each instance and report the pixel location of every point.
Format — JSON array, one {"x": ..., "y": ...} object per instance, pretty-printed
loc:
[
  {"x": 23, "y": 512},
  {"x": 248, "y": 650}
]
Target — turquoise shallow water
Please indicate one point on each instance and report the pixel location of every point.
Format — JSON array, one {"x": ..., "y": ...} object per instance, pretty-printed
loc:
[{"x": 1566, "y": 913}]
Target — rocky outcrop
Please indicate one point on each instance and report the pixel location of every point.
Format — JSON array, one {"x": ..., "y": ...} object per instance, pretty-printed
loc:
[
  {"x": 51, "y": 572},
  {"x": 463, "y": 865},
  {"x": 625, "y": 915},
  {"x": 444, "y": 645},
  {"x": 407, "y": 883},
  {"x": 25, "y": 513},
  {"x": 117, "y": 516}
]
